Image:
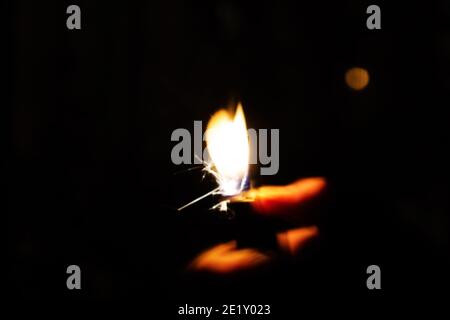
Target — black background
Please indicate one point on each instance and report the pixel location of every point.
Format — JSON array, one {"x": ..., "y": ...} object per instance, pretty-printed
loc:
[{"x": 90, "y": 180}]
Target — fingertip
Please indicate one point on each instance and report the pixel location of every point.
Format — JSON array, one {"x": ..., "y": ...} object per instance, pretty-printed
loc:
[
  {"x": 275, "y": 199},
  {"x": 225, "y": 258},
  {"x": 292, "y": 241}
]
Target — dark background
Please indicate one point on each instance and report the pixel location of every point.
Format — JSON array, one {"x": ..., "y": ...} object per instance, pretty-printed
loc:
[{"x": 89, "y": 176}]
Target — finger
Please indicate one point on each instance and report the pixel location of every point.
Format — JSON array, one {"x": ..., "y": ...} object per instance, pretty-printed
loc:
[
  {"x": 293, "y": 240},
  {"x": 225, "y": 258},
  {"x": 285, "y": 199}
]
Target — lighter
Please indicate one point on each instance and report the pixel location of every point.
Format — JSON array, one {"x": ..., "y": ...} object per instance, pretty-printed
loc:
[
  {"x": 252, "y": 230},
  {"x": 229, "y": 155}
]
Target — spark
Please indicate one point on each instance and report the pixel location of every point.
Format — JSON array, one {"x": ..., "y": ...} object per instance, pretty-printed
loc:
[
  {"x": 199, "y": 198},
  {"x": 208, "y": 168}
]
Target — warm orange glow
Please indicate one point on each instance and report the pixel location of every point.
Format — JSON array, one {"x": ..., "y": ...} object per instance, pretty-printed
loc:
[
  {"x": 273, "y": 200},
  {"x": 226, "y": 258},
  {"x": 357, "y": 78},
  {"x": 292, "y": 241},
  {"x": 228, "y": 147}
]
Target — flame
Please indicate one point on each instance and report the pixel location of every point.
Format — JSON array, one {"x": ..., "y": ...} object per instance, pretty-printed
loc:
[{"x": 229, "y": 150}]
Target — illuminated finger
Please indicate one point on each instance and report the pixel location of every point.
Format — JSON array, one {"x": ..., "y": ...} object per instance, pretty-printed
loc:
[
  {"x": 226, "y": 258},
  {"x": 293, "y": 240},
  {"x": 285, "y": 199}
]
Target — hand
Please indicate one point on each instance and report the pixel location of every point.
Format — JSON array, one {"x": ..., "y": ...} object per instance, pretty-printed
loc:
[{"x": 288, "y": 202}]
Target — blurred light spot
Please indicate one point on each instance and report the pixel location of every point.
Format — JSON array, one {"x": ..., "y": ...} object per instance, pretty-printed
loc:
[
  {"x": 357, "y": 78},
  {"x": 226, "y": 258}
]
